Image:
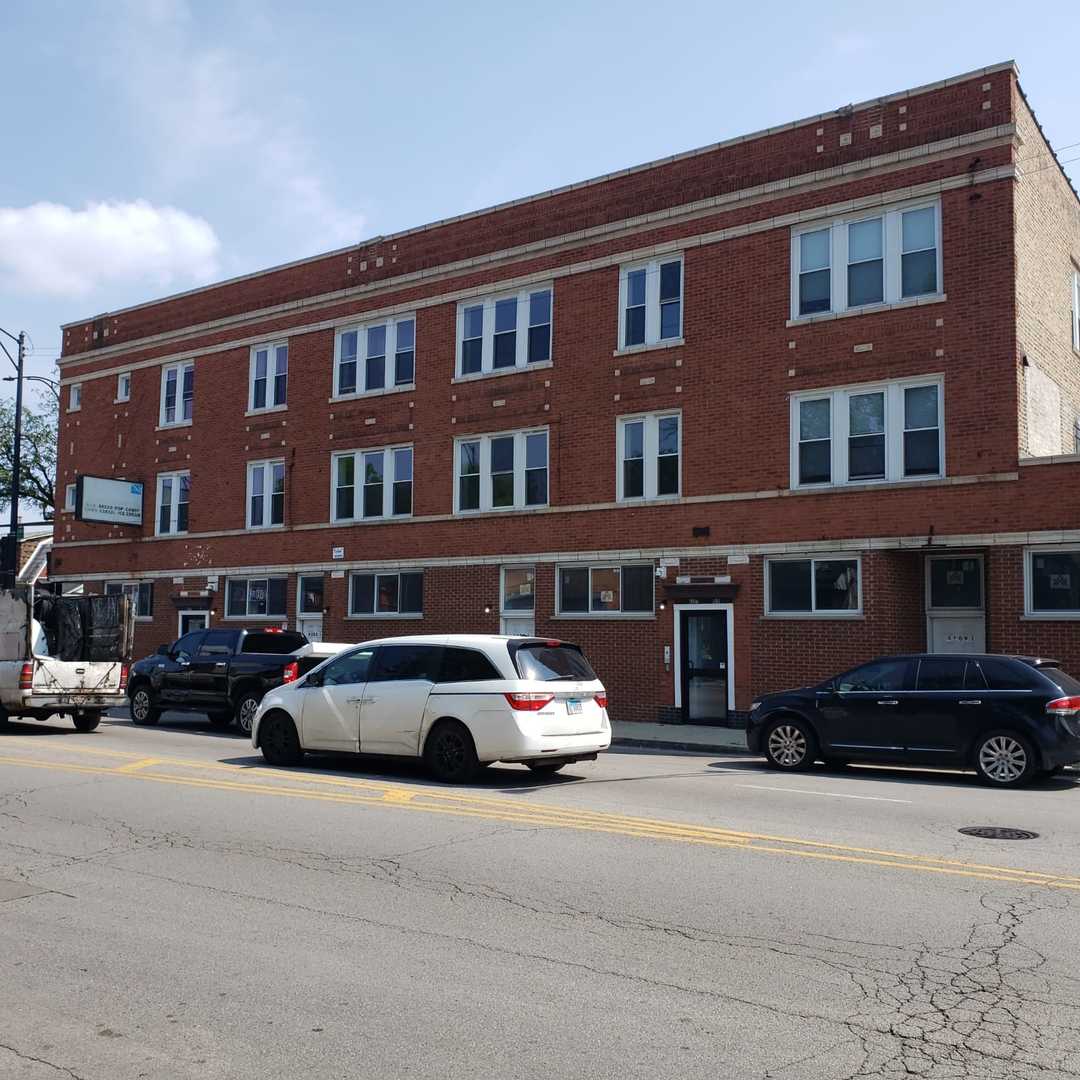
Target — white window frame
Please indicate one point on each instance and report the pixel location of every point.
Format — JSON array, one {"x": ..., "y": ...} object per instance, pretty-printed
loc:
[
  {"x": 652, "y": 302},
  {"x": 361, "y": 329},
  {"x": 174, "y": 503},
  {"x": 389, "y": 479},
  {"x": 814, "y": 612},
  {"x": 266, "y": 467},
  {"x": 123, "y": 387},
  {"x": 591, "y": 567},
  {"x": 651, "y": 446},
  {"x": 180, "y": 420},
  {"x": 839, "y": 427},
  {"x": 516, "y": 613},
  {"x": 521, "y": 339},
  {"x": 484, "y": 440},
  {"x": 892, "y": 249},
  {"x": 131, "y": 588},
  {"x": 248, "y": 615},
  {"x": 1030, "y": 612},
  {"x": 74, "y": 397},
  {"x": 272, "y": 404},
  {"x": 70, "y": 498},
  {"x": 375, "y": 613}
]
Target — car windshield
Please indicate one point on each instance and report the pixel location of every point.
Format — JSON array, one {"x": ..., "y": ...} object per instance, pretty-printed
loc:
[{"x": 549, "y": 663}]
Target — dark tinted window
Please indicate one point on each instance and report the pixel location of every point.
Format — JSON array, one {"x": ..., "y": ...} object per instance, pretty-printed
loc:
[
  {"x": 348, "y": 669},
  {"x": 278, "y": 644},
  {"x": 974, "y": 679},
  {"x": 397, "y": 662},
  {"x": 466, "y": 665},
  {"x": 574, "y": 589},
  {"x": 311, "y": 594},
  {"x": 218, "y": 643},
  {"x": 941, "y": 674},
  {"x": 789, "y": 586},
  {"x": 412, "y": 594},
  {"x": 1009, "y": 675},
  {"x": 1062, "y": 679},
  {"x": 637, "y": 588},
  {"x": 545, "y": 662},
  {"x": 1055, "y": 580},
  {"x": 188, "y": 644},
  {"x": 879, "y": 676},
  {"x": 275, "y": 596}
]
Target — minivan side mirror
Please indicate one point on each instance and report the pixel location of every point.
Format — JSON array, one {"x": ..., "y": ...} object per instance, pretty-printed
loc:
[
  {"x": 314, "y": 679},
  {"x": 163, "y": 650}
]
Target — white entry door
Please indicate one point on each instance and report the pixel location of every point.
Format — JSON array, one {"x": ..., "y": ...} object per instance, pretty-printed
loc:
[
  {"x": 517, "y": 626},
  {"x": 310, "y": 626},
  {"x": 955, "y": 604},
  {"x": 192, "y": 620}
]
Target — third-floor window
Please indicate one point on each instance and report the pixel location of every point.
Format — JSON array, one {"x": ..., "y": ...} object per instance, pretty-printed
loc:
[
  {"x": 269, "y": 378},
  {"x": 177, "y": 394},
  {"x": 501, "y": 472},
  {"x": 375, "y": 357},
  {"x": 372, "y": 483},
  {"x": 504, "y": 332},
  {"x": 650, "y": 302}
]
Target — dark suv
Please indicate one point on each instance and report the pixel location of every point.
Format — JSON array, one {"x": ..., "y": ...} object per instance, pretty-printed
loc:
[{"x": 1009, "y": 718}]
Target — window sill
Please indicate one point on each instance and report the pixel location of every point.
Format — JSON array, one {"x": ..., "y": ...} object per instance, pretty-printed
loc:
[
  {"x": 1055, "y": 616},
  {"x": 384, "y": 615},
  {"x": 173, "y": 427},
  {"x": 122, "y": 401},
  {"x": 383, "y": 520},
  {"x": 865, "y": 485},
  {"x": 868, "y": 309},
  {"x": 169, "y": 535},
  {"x": 651, "y": 500},
  {"x": 268, "y": 409},
  {"x": 573, "y": 616},
  {"x": 498, "y": 510},
  {"x": 633, "y": 350},
  {"x": 479, "y": 376},
  {"x": 386, "y": 391},
  {"x": 144, "y": 618},
  {"x": 842, "y": 616},
  {"x": 254, "y": 618},
  {"x": 265, "y": 528},
  {"x": 70, "y": 411}
]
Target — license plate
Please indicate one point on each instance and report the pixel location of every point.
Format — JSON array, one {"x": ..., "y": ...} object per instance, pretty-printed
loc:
[{"x": 573, "y": 706}]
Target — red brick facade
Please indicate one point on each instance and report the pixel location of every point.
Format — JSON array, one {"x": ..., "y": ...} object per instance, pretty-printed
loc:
[{"x": 729, "y": 211}]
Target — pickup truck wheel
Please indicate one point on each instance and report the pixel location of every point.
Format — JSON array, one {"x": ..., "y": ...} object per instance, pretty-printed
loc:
[
  {"x": 278, "y": 740},
  {"x": 247, "y": 705},
  {"x": 142, "y": 707},
  {"x": 88, "y": 720},
  {"x": 221, "y": 719}
]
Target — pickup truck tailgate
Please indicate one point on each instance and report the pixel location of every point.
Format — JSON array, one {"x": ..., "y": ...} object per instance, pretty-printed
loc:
[{"x": 70, "y": 676}]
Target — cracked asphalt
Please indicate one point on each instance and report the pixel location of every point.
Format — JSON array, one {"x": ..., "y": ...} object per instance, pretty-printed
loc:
[{"x": 171, "y": 908}]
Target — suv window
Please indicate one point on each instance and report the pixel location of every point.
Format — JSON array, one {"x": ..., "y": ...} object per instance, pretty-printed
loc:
[
  {"x": 1066, "y": 683},
  {"x": 546, "y": 662},
  {"x": 218, "y": 643},
  {"x": 941, "y": 674},
  {"x": 1004, "y": 674},
  {"x": 398, "y": 662},
  {"x": 348, "y": 669},
  {"x": 881, "y": 675},
  {"x": 466, "y": 665},
  {"x": 188, "y": 644},
  {"x": 259, "y": 641}
]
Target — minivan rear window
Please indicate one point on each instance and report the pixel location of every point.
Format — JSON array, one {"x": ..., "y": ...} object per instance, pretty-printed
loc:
[
  {"x": 277, "y": 644},
  {"x": 549, "y": 662}
]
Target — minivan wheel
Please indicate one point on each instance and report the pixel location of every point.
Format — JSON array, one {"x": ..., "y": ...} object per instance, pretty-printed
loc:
[
  {"x": 278, "y": 740},
  {"x": 450, "y": 753},
  {"x": 790, "y": 745},
  {"x": 142, "y": 707},
  {"x": 1004, "y": 759},
  {"x": 246, "y": 707},
  {"x": 545, "y": 768}
]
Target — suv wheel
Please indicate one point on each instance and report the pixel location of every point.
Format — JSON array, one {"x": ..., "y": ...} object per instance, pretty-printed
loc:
[
  {"x": 790, "y": 744},
  {"x": 142, "y": 707},
  {"x": 278, "y": 740},
  {"x": 1004, "y": 759},
  {"x": 450, "y": 753},
  {"x": 247, "y": 705}
]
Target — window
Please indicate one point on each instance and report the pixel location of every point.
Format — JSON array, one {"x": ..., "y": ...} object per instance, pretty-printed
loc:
[
  {"x": 347, "y": 670},
  {"x": 173, "y": 492},
  {"x": 881, "y": 676},
  {"x": 141, "y": 594},
  {"x": 1076, "y": 310},
  {"x": 863, "y": 434},
  {"x": 70, "y": 491},
  {"x": 123, "y": 386},
  {"x": 269, "y": 377},
  {"x": 606, "y": 590},
  {"x": 650, "y": 302},
  {"x": 956, "y": 583},
  {"x": 827, "y": 586},
  {"x": 501, "y": 472},
  {"x": 518, "y": 589},
  {"x": 219, "y": 643},
  {"x": 252, "y": 597},
  {"x": 1006, "y": 674},
  {"x": 943, "y": 674},
  {"x": 376, "y": 356},
  {"x": 310, "y": 594},
  {"x": 648, "y": 454},
  {"x": 177, "y": 394},
  {"x": 548, "y": 662},
  {"x": 74, "y": 397},
  {"x": 1053, "y": 583},
  {"x": 398, "y": 663},
  {"x": 387, "y": 593},
  {"x": 504, "y": 333},
  {"x": 372, "y": 483},
  {"x": 858, "y": 261},
  {"x": 466, "y": 665},
  {"x": 266, "y": 494}
]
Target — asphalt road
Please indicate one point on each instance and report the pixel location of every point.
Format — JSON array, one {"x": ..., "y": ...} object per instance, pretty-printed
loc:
[{"x": 171, "y": 908}]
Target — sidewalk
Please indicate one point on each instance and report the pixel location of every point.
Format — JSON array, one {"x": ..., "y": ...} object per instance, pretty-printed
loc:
[{"x": 700, "y": 737}]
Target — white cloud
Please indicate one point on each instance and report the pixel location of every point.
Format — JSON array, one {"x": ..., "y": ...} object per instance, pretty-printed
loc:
[{"x": 49, "y": 249}]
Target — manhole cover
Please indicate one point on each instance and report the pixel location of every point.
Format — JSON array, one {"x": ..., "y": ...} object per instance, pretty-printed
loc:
[{"x": 998, "y": 832}]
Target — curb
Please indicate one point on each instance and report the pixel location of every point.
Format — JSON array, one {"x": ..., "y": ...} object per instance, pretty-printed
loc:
[{"x": 664, "y": 744}]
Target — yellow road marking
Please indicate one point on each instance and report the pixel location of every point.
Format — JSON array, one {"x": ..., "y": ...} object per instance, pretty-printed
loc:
[{"x": 436, "y": 801}]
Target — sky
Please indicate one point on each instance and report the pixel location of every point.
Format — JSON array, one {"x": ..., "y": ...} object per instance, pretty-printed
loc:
[{"x": 151, "y": 146}]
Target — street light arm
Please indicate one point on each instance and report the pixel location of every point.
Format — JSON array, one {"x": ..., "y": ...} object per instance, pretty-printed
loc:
[
  {"x": 10, "y": 335},
  {"x": 8, "y": 355}
]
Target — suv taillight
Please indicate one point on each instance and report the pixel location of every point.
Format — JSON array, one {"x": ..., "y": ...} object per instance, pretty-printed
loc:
[
  {"x": 291, "y": 672},
  {"x": 1064, "y": 706},
  {"x": 26, "y": 677},
  {"x": 529, "y": 702},
  {"x": 123, "y": 676},
  {"x": 601, "y": 700}
]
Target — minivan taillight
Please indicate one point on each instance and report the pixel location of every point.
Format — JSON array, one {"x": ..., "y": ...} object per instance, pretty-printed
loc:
[
  {"x": 26, "y": 677},
  {"x": 123, "y": 676},
  {"x": 601, "y": 700},
  {"x": 291, "y": 672},
  {"x": 529, "y": 702},
  {"x": 1064, "y": 706}
]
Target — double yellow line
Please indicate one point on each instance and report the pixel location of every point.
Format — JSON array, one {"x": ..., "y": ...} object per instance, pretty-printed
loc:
[{"x": 469, "y": 804}]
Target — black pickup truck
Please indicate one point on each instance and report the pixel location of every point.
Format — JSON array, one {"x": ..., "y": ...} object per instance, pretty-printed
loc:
[{"x": 221, "y": 672}]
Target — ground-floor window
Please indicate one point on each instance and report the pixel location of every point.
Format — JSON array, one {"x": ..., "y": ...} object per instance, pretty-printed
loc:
[
  {"x": 140, "y": 592},
  {"x": 1053, "y": 583},
  {"x": 387, "y": 593},
  {"x": 251, "y": 597},
  {"x": 826, "y": 586},
  {"x": 606, "y": 590}
]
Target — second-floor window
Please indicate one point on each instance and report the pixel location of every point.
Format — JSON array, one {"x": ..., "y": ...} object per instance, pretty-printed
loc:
[
  {"x": 70, "y": 492},
  {"x": 879, "y": 432},
  {"x": 269, "y": 381},
  {"x": 173, "y": 493},
  {"x": 650, "y": 302},
  {"x": 372, "y": 483},
  {"x": 648, "y": 451},
  {"x": 377, "y": 356},
  {"x": 177, "y": 394},
  {"x": 501, "y": 472},
  {"x": 880, "y": 257},
  {"x": 266, "y": 494},
  {"x": 500, "y": 333}
]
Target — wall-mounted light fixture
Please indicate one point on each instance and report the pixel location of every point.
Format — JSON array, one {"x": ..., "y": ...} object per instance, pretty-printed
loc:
[
  {"x": 487, "y": 609},
  {"x": 663, "y": 605}
]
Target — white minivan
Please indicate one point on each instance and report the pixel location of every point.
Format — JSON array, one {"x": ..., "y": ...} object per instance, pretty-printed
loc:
[{"x": 458, "y": 701}]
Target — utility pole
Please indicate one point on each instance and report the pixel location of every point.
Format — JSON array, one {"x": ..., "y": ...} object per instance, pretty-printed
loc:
[{"x": 10, "y": 568}]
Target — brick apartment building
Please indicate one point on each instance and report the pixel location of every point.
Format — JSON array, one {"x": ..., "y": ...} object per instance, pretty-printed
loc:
[{"x": 732, "y": 420}]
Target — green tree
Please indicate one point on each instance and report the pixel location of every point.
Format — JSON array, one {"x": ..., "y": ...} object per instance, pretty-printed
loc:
[{"x": 37, "y": 475}]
